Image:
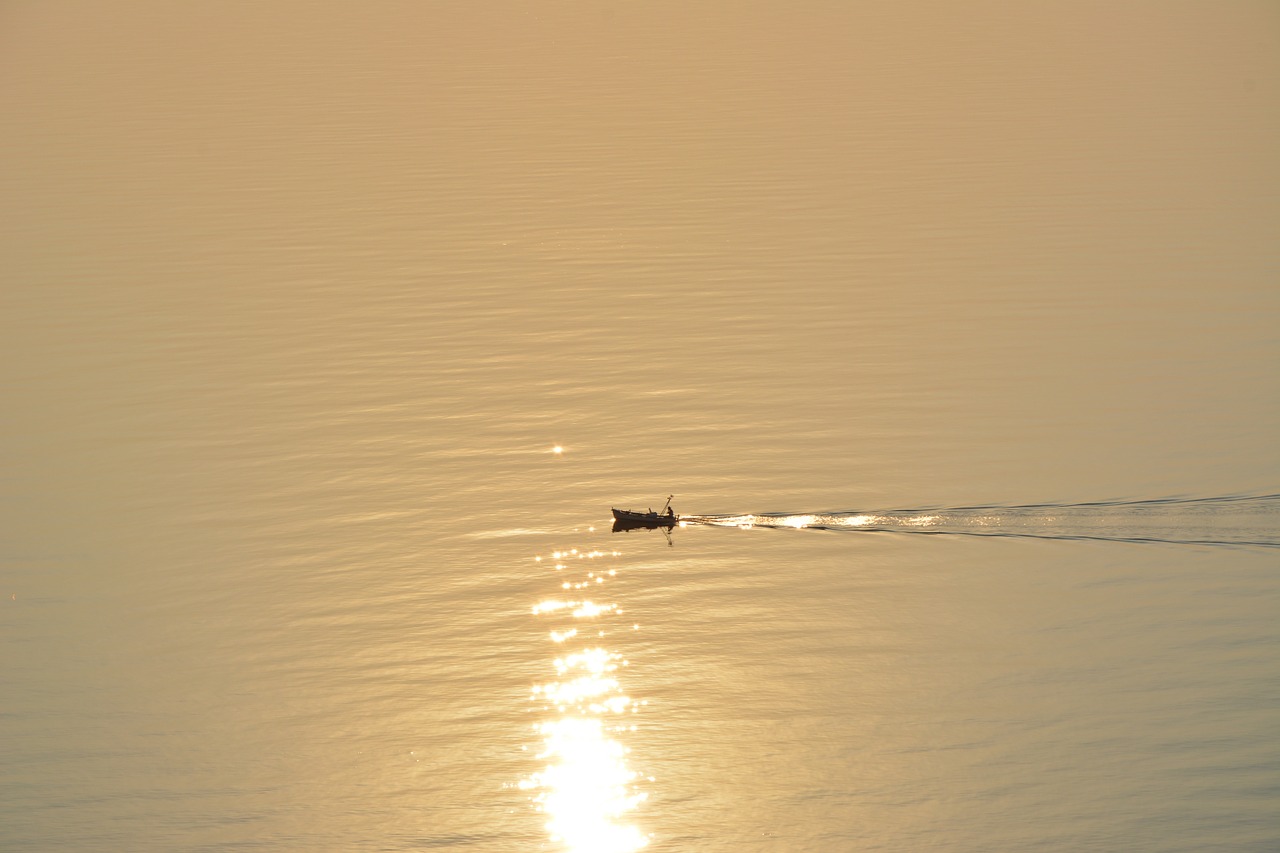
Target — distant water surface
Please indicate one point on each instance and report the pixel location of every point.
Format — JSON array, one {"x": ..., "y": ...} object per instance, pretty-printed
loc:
[{"x": 299, "y": 302}]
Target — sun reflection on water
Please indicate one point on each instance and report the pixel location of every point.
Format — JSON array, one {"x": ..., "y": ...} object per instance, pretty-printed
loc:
[{"x": 586, "y": 788}]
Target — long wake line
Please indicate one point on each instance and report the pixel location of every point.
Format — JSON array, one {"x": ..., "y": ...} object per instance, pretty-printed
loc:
[
  {"x": 1127, "y": 502},
  {"x": 1231, "y": 520}
]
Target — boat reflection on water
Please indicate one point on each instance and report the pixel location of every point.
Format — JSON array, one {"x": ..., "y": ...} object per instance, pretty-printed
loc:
[
  {"x": 586, "y": 787},
  {"x": 625, "y": 526}
]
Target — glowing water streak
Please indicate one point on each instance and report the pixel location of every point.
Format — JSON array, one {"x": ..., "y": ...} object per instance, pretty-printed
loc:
[{"x": 586, "y": 787}]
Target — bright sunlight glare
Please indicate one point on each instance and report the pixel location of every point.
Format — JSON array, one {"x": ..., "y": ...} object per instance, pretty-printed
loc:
[{"x": 586, "y": 787}]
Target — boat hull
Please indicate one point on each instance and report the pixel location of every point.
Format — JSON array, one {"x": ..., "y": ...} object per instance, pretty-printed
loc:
[{"x": 629, "y": 519}]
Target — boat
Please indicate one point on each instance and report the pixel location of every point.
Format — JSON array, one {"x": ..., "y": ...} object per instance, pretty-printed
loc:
[
  {"x": 632, "y": 518},
  {"x": 625, "y": 519}
]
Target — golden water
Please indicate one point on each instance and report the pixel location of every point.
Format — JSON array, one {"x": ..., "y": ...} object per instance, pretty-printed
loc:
[{"x": 322, "y": 324}]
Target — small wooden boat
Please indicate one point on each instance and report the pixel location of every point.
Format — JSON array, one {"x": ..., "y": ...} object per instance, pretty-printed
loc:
[{"x": 630, "y": 518}]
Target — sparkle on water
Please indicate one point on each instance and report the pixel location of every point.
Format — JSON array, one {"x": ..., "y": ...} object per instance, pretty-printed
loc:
[{"x": 586, "y": 787}]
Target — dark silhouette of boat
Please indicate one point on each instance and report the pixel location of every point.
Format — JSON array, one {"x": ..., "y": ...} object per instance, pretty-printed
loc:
[{"x": 630, "y": 519}]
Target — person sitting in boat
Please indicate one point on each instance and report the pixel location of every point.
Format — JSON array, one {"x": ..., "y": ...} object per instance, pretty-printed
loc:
[{"x": 670, "y": 512}]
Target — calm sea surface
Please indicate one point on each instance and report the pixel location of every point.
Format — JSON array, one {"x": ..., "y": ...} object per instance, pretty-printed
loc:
[{"x": 329, "y": 335}]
